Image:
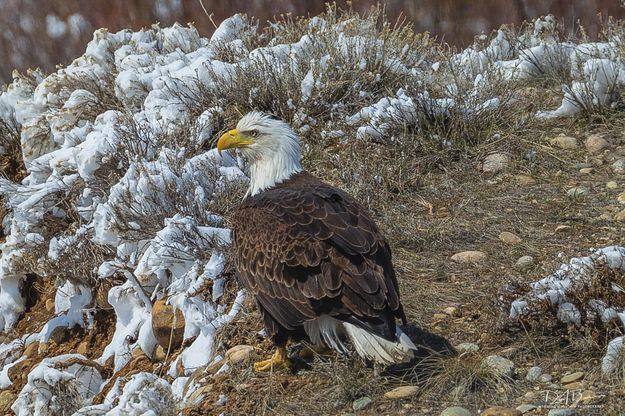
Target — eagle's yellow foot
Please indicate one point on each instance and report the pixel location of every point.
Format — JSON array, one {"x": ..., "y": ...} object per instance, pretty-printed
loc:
[{"x": 279, "y": 361}]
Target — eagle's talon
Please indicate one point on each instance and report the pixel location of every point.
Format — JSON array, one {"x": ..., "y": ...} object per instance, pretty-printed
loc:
[{"x": 279, "y": 361}]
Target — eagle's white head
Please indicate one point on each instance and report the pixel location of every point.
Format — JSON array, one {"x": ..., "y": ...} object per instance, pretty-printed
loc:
[{"x": 269, "y": 145}]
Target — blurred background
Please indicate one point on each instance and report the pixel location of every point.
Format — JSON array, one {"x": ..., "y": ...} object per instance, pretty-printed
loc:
[{"x": 43, "y": 33}]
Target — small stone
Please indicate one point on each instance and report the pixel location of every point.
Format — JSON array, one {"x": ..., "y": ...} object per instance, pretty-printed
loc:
[
  {"x": 577, "y": 191},
  {"x": 524, "y": 262},
  {"x": 569, "y": 378},
  {"x": 500, "y": 411},
  {"x": 499, "y": 365},
  {"x": 167, "y": 325},
  {"x": 469, "y": 257},
  {"x": 620, "y": 216},
  {"x": 621, "y": 198},
  {"x": 561, "y": 228},
  {"x": 509, "y": 238},
  {"x": 50, "y": 305},
  {"x": 525, "y": 180},
  {"x": 577, "y": 385},
  {"x": 361, "y": 403},
  {"x": 83, "y": 348},
  {"x": 606, "y": 216},
  {"x": 456, "y": 411},
  {"x": 525, "y": 408},
  {"x": 611, "y": 185},
  {"x": 533, "y": 373},
  {"x": 589, "y": 397},
  {"x": 564, "y": 142},
  {"x": 7, "y": 398},
  {"x": 32, "y": 350},
  {"x": 239, "y": 353},
  {"x": 453, "y": 311},
  {"x": 401, "y": 392},
  {"x": 586, "y": 171},
  {"x": 159, "y": 355},
  {"x": 495, "y": 162},
  {"x": 595, "y": 143},
  {"x": 582, "y": 165},
  {"x": 618, "y": 167},
  {"x": 467, "y": 347},
  {"x": 562, "y": 412},
  {"x": 545, "y": 378}
]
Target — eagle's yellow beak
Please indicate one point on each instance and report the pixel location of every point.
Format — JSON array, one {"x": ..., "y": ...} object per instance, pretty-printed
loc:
[{"x": 232, "y": 139}]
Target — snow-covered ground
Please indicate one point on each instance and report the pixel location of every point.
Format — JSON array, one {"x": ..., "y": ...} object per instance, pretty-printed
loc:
[{"x": 116, "y": 147}]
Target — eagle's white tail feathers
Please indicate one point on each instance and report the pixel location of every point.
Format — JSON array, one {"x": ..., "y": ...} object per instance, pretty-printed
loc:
[
  {"x": 326, "y": 330},
  {"x": 331, "y": 332}
]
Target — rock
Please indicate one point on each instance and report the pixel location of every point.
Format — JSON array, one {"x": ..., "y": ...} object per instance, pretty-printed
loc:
[
  {"x": 561, "y": 228},
  {"x": 525, "y": 180},
  {"x": 524, "y": 262},
  {"x": 562, "y": 412},
  {"x": 545, "y": 378},
  {"x": 7, "y": 399},
  {"x": 588, "y": 397},
  {"x": 509, "y": 238},
  {"x": 525, "y": 408},
  {"x": 564, "y": 142},
  {"x": 611, "y": 185},
  {"x": 453, "y": 311},
  {"x": 469, "y": 257},
  {"x": 50, "y": 305},
  {"x": 595, "y": 143},
  {"x": 361, "y": 403},
  {"x": 159, "y": 355},
  {"x": 239, "y": 353},
  {"x": 499, "y": 365},
  {"x": 533, "y": 374},
  {"x": 167, "y": 325},
  {"x": 500, "y": 411},
  {"x": 569, "y": 378},
  {"x": 19, "y": 370},
  {"x": 32, "y": 350},
  {"x": 621, "y": 198},
  {"x": 586, "y": 171},
  {"x": 83, "y": 348},
  {"x": 401, "y": 392},
  {"x": 577, "y": 191},
  {"x": 620, "y": 216},
  {"x": 576, "y": 385},
  {"x": 618, "y": 167},
  {"x": 495, "y": 162},
  {"x": 467, "y": 347},
  {"x": 456, "y": 411}
]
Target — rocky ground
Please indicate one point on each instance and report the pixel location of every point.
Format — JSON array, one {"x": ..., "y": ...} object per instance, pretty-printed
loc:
[{"x": 478, "y": 193}]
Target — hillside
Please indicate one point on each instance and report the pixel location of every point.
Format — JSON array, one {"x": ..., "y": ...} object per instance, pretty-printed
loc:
[{"x": 497, "y": 174}]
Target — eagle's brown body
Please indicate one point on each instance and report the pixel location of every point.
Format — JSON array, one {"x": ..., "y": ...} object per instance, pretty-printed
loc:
[{"x": 305, "y": 249}]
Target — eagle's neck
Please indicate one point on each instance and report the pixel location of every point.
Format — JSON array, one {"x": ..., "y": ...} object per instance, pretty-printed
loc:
[{"x": 275, "y": 163}]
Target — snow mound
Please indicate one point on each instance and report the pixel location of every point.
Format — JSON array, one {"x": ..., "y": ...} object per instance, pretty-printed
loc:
[{"x": 568, "y": 284}]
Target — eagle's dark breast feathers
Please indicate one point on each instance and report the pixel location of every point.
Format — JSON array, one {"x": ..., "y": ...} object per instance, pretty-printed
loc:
[{"x": 304, "y": 249}]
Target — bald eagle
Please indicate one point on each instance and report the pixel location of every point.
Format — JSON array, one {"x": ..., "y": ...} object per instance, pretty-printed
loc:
[{"x": 316, "y": 263}]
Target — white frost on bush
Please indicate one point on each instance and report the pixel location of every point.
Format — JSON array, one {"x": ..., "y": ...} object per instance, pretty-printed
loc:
[
  {"x": 567, "y": 283},
  {"x": 53, "y": 389}
]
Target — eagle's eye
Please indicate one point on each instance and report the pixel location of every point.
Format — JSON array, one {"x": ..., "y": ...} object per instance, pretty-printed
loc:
[{"x": 254, "y": 133}]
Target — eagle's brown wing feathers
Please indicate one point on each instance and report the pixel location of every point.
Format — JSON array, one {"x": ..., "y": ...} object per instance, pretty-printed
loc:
[{"x": 304, "y": 249}]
